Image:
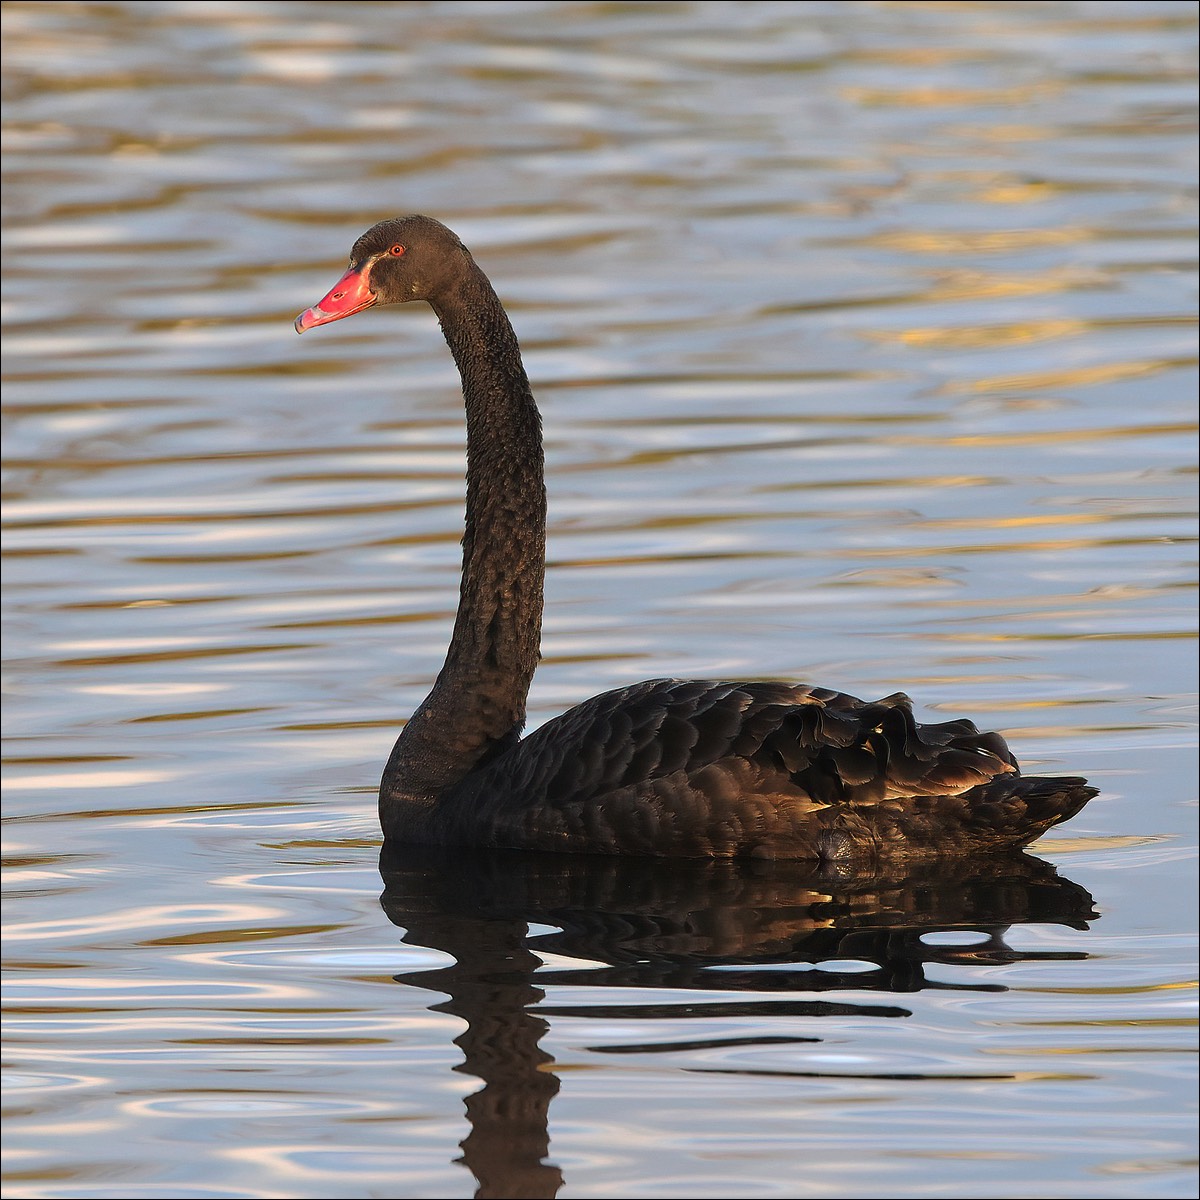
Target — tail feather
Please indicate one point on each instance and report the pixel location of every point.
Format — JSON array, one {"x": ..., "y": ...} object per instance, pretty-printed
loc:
[
  {"x": 1033, "y": 803},
  {"x": 1051, "y": 799}
]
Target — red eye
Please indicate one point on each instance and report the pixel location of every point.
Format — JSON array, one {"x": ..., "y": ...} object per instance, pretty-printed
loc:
[{"x": 396, "y": 250}]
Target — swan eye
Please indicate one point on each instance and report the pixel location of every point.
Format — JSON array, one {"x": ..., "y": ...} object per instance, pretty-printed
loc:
[{"x": 396, "y": 251}]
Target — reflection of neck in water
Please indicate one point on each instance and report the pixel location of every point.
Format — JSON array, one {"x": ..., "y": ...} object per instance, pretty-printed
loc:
[
  {"x": 490, "y": 988},
  {"x": 654, "y": 924}
]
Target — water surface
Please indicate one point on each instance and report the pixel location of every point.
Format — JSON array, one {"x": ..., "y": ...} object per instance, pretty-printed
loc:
[{"x": 864, "y": 336}]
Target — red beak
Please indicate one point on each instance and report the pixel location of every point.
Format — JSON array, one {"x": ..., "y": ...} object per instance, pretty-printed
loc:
[{"x": 349, "y": 295}]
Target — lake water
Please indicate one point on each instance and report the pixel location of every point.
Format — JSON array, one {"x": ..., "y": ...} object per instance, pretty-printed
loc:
[{"x": 864, "y": 337}]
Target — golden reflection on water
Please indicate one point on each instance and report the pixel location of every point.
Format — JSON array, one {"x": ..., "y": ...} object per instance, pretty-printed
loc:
[
  {"x": 957, "y": 98},
  {"x": 967, "y": 242},
  {"x": 1033, "y": 381},
  {"x": 1018, "y": 333},
  {"x": 1123, "y": 433},
  {"x": 982, "y": 285}
]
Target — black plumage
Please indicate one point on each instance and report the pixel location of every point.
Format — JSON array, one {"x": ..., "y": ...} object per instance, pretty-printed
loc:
[{"x": 692, "y": 768}]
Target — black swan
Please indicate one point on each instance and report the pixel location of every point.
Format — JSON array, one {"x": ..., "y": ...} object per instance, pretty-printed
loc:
[{"x": 678, "y": 767}]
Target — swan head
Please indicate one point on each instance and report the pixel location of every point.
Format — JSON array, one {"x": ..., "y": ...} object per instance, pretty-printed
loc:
[{"x": 400, "y": 259}]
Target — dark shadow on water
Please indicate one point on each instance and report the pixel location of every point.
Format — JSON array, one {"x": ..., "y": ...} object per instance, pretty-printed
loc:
[{"x": 667, "y": 925}]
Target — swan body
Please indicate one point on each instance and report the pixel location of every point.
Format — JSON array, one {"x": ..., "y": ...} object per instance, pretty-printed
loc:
[{"x": 686, "y": 768}]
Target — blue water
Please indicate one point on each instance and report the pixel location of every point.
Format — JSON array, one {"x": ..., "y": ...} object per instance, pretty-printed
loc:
[{"x": 864, "y": 336}]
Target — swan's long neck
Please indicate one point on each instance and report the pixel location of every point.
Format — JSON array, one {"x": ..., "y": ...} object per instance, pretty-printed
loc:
[{"x": 477, "y": 705}]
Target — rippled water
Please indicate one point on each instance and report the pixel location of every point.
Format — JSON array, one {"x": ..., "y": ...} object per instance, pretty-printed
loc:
[{"x": 864, "y": 335}]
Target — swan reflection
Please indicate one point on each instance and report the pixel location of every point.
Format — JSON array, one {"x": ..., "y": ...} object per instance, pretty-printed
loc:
[{"x": 750, "y": 930}]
